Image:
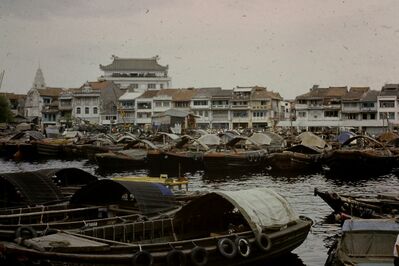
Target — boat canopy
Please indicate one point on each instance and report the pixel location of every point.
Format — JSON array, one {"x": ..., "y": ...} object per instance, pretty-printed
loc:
[
  {"x": 210, "y": 139},
  {"x": 344, "y": 136},
  {"x": 310, "y": 139},
  {"x": 28, "y": 188},
  {"x": 262, "y": 208},
  {"x": 36, "y": 135},
  {"x": 150, "y": 197},
  {"x": 67, "y": 176},
  {"x": 370, "y": 225},
  {"x": 260, "y": 139}
]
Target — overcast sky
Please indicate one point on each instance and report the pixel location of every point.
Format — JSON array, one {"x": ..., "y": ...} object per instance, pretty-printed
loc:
[{"x": 284, "y": 45}]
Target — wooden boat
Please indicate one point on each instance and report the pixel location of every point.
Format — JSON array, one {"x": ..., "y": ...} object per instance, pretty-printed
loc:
[
  {"x": 232, "y": 232},
  {"x": 383, "y": 205},
  {"x": 182, "y": 156},
  {"x": 234, "y": 156},
  {"x": 373, "y": 159},
  {"x": 121, "y": 201},
  {"x": 299, "y": 158},
  {"x": 364, "y": 242},
  {"x": 133, "y": 158}
]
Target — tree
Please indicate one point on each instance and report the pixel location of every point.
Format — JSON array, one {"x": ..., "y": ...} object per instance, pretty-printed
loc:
[{"x": 5, "y": 110}]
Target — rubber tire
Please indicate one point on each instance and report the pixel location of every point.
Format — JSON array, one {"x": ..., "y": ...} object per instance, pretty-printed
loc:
[
  {"x": 199, "y": 256},
  {"x": 142, "y": 258},
  {"x": 19, "y": 233},
  {"x": 243, "y": 241},
  {"x": 176, "y": 258},
  {"x": 260, "y": 241},
  {"x": 231, "y": 251}
]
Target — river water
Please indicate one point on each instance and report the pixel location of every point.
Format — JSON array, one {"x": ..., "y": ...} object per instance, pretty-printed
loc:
[{"x": 298, "y": 189}]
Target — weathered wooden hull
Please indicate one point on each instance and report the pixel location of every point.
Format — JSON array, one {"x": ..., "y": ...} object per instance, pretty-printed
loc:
[
  {"x": 359, "y": 207},
  {"x": 294, "y": 162},
  {"x": 219, "y": 161},
  {"x": 359, "y": 162},
  {"x": 117, "y": 253}
]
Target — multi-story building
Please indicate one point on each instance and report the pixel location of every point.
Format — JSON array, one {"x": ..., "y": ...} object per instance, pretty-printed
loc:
[
  {"x": 265, "y": 108},
  {"x": 86, "y": 104},
  {"x": 220, "y": 107},
  {"x": 140, "y": 74},
  {"x": 17, "y": 102},
  {"x": 388, "y": 105},
  {"x": 201, "y": 106},
  {"x": 127, "y": 106},
  {"x": 144, "y": 107},
  {"x": 42, "y": 101},
  {"x": 319, "y": 108}
]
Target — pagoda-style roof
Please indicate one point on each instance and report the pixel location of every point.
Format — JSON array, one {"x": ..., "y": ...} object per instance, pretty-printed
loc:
[{"x": 134, "y": 64}]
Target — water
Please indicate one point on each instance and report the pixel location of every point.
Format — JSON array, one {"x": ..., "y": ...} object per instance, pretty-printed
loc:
[{"x": 298, "y": 189}]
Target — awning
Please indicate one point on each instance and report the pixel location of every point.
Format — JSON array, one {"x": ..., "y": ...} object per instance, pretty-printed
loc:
[{"x": 261, "y": 207}]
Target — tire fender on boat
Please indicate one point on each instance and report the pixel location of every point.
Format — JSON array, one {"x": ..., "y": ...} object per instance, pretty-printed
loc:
[
  {"x": 243, "y": 246},
  {"x": 142, "y": 258},
  {"x": 25, "y": 232},
  {"x": 264, "y": 242},
  {"x": 176, "y": 258},
  {"x": 199, "y": 256},
  {"x": 227, "y": 248}
]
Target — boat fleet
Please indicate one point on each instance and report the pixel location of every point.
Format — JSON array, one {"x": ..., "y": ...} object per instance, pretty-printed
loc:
[
  {"x": 343, "y": 154},
  {"x": 54, "y": 217},
  {"x": 69, "y": 217}
]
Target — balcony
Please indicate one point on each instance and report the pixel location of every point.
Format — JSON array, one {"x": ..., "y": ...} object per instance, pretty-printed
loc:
[
  {"x": 240, "y": 106},
  {"x": 220, "y": 106},
  {"x": 368, "y": 109},
  {"x": 351, "y": 109}
]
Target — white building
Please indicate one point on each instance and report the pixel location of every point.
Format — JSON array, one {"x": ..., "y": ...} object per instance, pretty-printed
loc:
[
  {"x": 86, "y": 104},
  {"x": 127, "y": 107},
  {"x": 141, "y": 74}
]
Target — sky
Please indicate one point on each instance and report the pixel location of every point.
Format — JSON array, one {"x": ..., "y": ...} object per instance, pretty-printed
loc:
[{"x": 286, "y": 45}]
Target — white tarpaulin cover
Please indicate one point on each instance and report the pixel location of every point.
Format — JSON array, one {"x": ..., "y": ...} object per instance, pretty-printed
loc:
[
  {"x": 262, "y": 207},
  {"x": 259, "y": 138},
  {"x": 210, "y": 139},
  {"x": 310, "y": 139}
]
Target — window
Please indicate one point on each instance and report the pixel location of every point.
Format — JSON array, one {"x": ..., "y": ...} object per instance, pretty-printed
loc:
[
  {"x": 387, "y": 115},
  {"x": 95, "y": 110},
  {"x": 181, "y": 104},
  {"x": 151, "y": 86},
  {"x": 258, "y": 114},
  {"x": 87, "y": 111},
  {"x": 364, "y": 116},
  {"x": 135, "y": 86},
  {"x": 301, "y": 114},
  {"x": 387, "y": 104},
  {"x": 161, "y": 86},
  {"x": 196, "y": 103},
  {"x": 351, "y": 116},
  {"x": 331, "y": 114},
  {"x": 372, "y": 116},
  {"x": 78, "y": 110},
  {"x": 240, "y": 114}
]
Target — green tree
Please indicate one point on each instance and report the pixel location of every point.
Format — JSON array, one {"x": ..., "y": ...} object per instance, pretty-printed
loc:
[{"x": 5, "y": 110}]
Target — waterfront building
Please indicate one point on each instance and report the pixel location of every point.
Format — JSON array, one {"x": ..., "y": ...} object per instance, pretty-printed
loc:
[
  {"x": 86, "y": 103},
  {"x": 127, "y": 106},
  {"x": 201, "y": 106},
  {"x": 144, "y": 107},
  {"x": 141, "y": 74},
  {"x": 220, "y": 109},
  {"x": 17, "y": 102},
  {"x": 388, "y": 106},
  {"x": 265, "y": 108}
]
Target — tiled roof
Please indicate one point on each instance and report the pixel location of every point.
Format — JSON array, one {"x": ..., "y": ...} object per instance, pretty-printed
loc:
[
  {"x": 263, "y": 93},
  {"x": 223, "y": 94},
  {"x": 205, "y": 93},
  {"x": 183, "y": 95},
  {"x": 134, "y": 64},
  {"x": 370, "y": 96},
  {"x": 320, "y": 93},
  {"x": 148, "y": 94},
  {"x": 390, "y": 90},
  {"x": 50, "y": 92},
  {"x": 355, "y": 93},
  {"x": 13, "y": 96}
]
